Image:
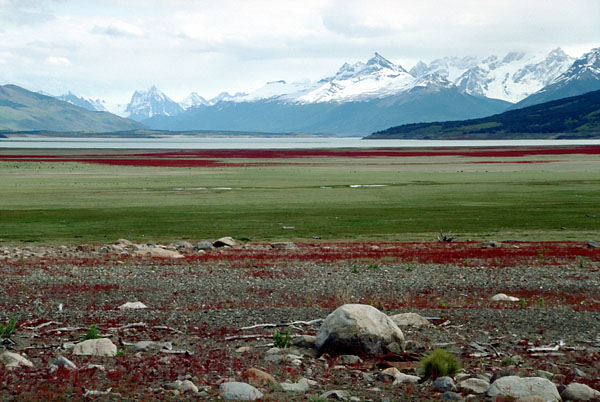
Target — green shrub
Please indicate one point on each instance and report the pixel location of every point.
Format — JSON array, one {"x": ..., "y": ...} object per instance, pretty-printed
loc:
[
  {"x": 8, "y": 329},
  {"x": 439, "y": 363},
  {"x": 282, "y": 340},
  {"x": 92, "y": 333}
]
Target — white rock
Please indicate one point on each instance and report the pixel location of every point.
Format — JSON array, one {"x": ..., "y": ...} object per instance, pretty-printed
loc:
[
  {"x": 410, "y": 320},
  {"x": 96, "y": 347},
  {"x": 13, "y": 360},
  {"x": 239, "y": 391},
  {"x": 157, "y": 252},
  {"x": 224, "y": 242},
  {"x": 62, "y": 361},
  {"x": 503, "y": 297},
  {"x": 518, "y": 387},
  {"x": 357, "y": 329},
  {"x": 402, "y": 378},
  {"x": 580, "y": 392},
  {"x": 184, "y": 386},
  {"x": 474, "y": 385},
  {"x": 132, "y": 306},
  {"x": 301, "y": 386},
  {"x": 142, "y": 346}
]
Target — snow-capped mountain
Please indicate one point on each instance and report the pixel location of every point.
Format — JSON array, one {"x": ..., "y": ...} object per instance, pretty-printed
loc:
[
  {"x": 145, "y": 104},
  {"x": 581, "y": 77},
  {"x": 193, "y": 100},
  {"x": 511, "y": 78},
  {"x": 89, "y": 104},
  {"x": 227, "y": 97}
]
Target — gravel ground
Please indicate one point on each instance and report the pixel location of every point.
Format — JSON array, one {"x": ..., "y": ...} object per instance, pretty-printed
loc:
[{"x": 201, "y": 304}]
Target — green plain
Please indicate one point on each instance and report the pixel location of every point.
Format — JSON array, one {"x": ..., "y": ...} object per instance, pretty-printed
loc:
[{"x": 74, "y": 202}]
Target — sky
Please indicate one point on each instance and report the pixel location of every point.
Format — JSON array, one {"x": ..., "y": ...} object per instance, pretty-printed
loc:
[{"x": 110, "y": 48}]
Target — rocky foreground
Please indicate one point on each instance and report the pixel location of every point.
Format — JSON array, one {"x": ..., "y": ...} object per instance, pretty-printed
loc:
[{"x": 200, "y": 321}]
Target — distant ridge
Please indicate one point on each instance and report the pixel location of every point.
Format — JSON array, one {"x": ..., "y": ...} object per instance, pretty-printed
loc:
[
  {"x": 21, "y": 110},
  {"x": 574, "y": 117}
]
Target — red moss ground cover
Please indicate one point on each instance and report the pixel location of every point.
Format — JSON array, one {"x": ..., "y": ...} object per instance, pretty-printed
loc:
[{"x": 214, "y": 158}]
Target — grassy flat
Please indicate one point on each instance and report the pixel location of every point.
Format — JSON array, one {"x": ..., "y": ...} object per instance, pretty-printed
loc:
[{"x": 415, "y": 198}]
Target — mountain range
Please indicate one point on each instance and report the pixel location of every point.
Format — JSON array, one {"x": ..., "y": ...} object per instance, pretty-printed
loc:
[
  {"x": 358, "y": 99},
  {"x": 572, "y": 117},
  {"x": 368, "y": 96}
]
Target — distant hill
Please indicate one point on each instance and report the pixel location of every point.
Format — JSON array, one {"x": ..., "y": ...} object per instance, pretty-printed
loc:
[
  {"x": 21, "y": 110},
  {"x": 574, "y": 117}
]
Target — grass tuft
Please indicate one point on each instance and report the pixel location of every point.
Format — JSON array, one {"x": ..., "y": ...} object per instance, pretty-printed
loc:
[{"x": 439, "y": 363}]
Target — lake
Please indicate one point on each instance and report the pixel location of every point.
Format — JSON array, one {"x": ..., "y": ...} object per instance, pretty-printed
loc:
[{"x": 263, "y": 143}]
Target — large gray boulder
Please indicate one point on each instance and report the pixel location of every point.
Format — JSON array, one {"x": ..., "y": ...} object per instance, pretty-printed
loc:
[
  {"x": 517, "y": 387},
  {"x": 580, "y": 392},
  {"x": 359, "y": 329}
]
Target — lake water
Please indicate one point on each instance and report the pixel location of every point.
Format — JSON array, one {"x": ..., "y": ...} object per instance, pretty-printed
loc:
[{"x": 263, "y": 143}]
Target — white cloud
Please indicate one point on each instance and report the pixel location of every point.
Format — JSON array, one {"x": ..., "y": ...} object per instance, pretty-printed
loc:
[
  {"x": 207, "y": 46},
  {"x": 118, "y": 29},
  {"x": 58, "y": 61}
]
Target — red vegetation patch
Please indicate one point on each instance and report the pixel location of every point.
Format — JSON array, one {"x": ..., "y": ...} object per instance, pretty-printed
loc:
[
  {"x": 213, "y": 158},
  {"x": 456, "y": 253}
]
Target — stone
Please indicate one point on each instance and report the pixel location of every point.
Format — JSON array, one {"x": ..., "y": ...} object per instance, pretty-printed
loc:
[
  {"x": 450, "y": 396},
  {"x": 302, "y": 385},
  {"x": 13, "y": 360},
  {"x": 518, "y": 387},
  {"x": 62, "y": 361},
  {"x": 350, "y": 359},
  {"x": 123, "y": 243},
  {"x": 503, "y": 297},
  {"x": 183, "y": 386},
  {"x": 143, "y": 346},
  {"x": 203, "y": 246},
  {"x": 132, "y": 306},
  {"x": 580, "y": 392},
  {"x": 489, "y": 244},
  {"x": 157, "y": 252},
  {"x": 474, "y": 385},
  {"x": 224, "y": 242},
  {"x": 593, "y": 244},
  {"x": 358, "y": 329},
  {"x": 406, "y": 378},
  {"x": 95, "y": 347},
  {"x": 389, "y": 374},
  {"x": 258, "y": 378},
  {"x": 305, "y": 341},
  {"x": 239, "y": 391},
  {"x": 244, "y": 349},
  {"x": 336, "y": 394},
  {"x": 283, "y": 245},
  {"x": 410, "y": 320},
  {"x": 443, "y": 384},
  {"x": 530, "y": 399}
]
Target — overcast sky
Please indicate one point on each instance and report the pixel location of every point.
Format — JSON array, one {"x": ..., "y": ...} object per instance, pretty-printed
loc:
[{"x": 109, "y": 48}]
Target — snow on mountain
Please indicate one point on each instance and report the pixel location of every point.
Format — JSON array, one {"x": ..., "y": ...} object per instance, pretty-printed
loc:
[
  {"x": 588, "y": 66},
  {"x": 581, "y": 77},
  {"x": 511, "y": 78},
  {"x": 80, "y": 101},
  {"x": 145, "y": 104},
  {"x": 377, "y": 78},
  {"x": 227, "y": 97},
  {"x": 193, "y": 100}
]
